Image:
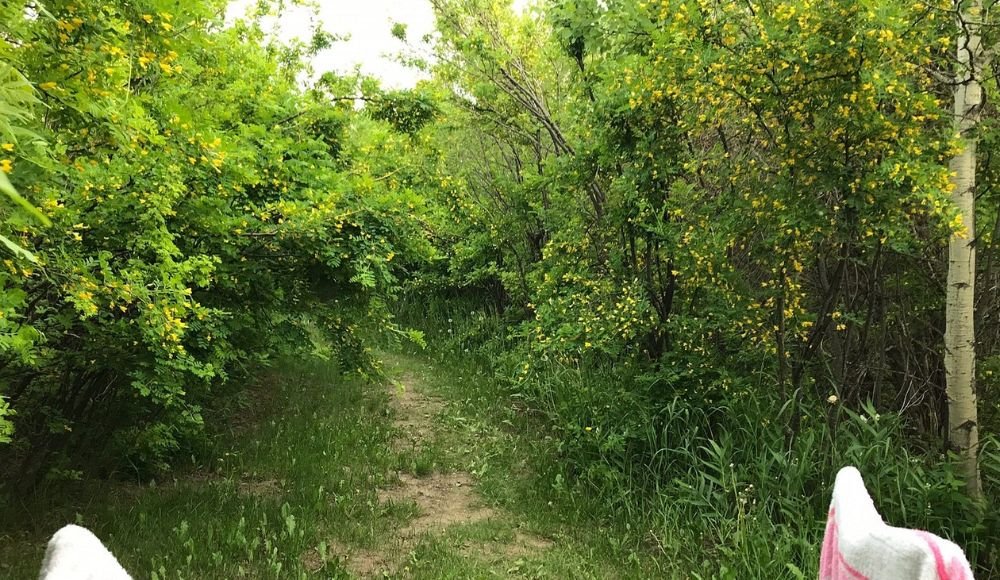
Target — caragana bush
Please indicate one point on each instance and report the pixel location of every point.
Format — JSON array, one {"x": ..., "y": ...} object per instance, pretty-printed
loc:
[
  {"x": 730, "y": 213},
  {"x": 207, "y": 212}
]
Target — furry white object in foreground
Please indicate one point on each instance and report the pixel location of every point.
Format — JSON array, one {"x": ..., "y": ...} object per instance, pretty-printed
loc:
[
  {"x": 74, "y": 553},
  {"x": 860, "y": 546}
]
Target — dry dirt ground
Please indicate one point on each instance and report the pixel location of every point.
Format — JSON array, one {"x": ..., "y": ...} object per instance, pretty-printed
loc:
[{"x": 442, "y": 499}]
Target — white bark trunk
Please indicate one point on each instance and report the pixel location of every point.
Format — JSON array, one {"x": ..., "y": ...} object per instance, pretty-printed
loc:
[{"x": 960, "y": 348}]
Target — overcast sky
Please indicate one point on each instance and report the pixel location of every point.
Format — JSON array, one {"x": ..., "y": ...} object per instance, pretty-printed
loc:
[{"x": 368, "y": 22}]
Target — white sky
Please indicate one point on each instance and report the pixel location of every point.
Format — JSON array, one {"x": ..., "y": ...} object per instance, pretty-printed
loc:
[{"x": 368, "y": 23}]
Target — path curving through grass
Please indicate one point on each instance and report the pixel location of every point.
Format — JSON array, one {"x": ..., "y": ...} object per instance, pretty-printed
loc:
[{"x": 313, "y": 476}]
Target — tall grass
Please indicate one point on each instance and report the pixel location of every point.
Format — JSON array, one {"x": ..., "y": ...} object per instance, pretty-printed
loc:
[
  {"x": 291, "y": 470},
  {"x": 709, "y": 481}
]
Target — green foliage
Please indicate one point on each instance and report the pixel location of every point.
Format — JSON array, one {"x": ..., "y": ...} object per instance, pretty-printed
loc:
[
  {"x": 700, "y": 221},
  {"x": 291, "y": 485},
  {"x": 703, "y": 239},
  {"x": 399, "y": 31},
  {"x": 406, "y": 111},
  {"x": 709, "y": 467},
  {"x": 17, "y": 101},
  {"x": 6, "y": 427},
  {"x": 259, "y": 500},
  {"x": 207, "y": 214}
]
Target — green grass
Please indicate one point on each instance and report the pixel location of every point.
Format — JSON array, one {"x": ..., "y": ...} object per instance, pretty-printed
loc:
[
  {"x": 679, "y": 484},
  {"x": 292, "y": 481},
  {"x": 301, "y": 473},
  {"x": 517, "y": 466}
]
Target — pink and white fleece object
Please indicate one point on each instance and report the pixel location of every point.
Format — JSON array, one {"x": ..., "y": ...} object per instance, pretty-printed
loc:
[{"x": 859, "y": 545}]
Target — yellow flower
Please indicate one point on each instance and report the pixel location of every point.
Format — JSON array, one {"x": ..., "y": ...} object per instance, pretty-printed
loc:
[
  {"x": 832, "y": 399},
  {"x": 148, "y": 18},
  {"x": 47, "y": 86},
  {"x": 8, "y": 147},
  {"x": 6, "y": 166}
]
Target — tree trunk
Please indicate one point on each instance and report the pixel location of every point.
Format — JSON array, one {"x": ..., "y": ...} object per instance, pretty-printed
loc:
[{"x": 960, "y": 348}]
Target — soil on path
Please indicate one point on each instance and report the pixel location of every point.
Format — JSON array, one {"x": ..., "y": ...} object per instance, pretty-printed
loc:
[{"x": 442, "y": 500}]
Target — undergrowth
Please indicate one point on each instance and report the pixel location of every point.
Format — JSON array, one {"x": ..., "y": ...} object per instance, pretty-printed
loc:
[
  {"x": 289, "y": 487},
  {"x": 706, "y": 482},
  {"x": 287, "y": 474}
]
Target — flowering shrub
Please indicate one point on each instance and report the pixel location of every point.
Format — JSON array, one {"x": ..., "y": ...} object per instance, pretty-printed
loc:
[{"x": 207, "y": 214}]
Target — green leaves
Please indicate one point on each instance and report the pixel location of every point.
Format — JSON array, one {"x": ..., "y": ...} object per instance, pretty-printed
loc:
[
  {"x": 7, "y": 189},
  {"x": 18, "y": 250},
  {"x": 200, "y": 205},
  {"x": 406, "y": 111},
  {"x": 6, "y": 427},
  {"x": 16, "y": 101}
]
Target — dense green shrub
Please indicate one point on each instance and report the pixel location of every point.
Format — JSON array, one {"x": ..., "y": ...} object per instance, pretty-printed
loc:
[
  {"x": 698, "y": 459},
  {"x": 207, "y": 214},
  {"x": 702, "y": 240},
  {"x": 714, "y": 235}
]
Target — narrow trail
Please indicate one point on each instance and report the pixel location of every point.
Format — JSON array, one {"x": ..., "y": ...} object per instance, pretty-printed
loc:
[
  {"x": 322, "y": 478},
  {"x": 443, "y": 499}
]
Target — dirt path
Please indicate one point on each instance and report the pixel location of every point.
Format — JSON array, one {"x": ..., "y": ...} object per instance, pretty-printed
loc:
[{"x": 443, "y": 499}]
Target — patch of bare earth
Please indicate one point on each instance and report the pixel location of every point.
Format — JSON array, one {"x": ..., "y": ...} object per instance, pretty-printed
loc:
[
  {"x": 442, "y": 499},
  {"x": 522, "y": 546},
  {"x": 414, "y": 412}
]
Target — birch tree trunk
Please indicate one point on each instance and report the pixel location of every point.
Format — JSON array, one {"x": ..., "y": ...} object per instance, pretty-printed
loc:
[{"x": 960, "y": 348}]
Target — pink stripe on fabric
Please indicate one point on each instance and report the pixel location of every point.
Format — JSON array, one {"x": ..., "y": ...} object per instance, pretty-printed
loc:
[
  {"x": 942, "y": 569},
  {"x": 826, "y": 566},
  {"x": 831, "y": 550},
  {"x": 850, "y": 569},
  {"x": 942, "y": 572}
]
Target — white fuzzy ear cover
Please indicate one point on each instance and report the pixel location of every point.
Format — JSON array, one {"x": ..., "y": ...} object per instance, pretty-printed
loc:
[
  {"x": 74, "y": 553},
  {"x": 859, "y": 545}
]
